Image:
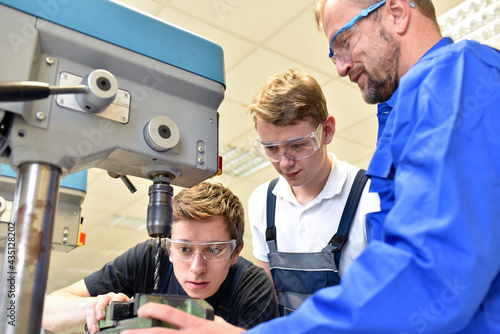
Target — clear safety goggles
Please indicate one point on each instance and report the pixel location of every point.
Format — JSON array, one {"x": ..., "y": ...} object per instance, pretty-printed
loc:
[
  {"x": 344, "y": 40},
  {"x": 296, "y": 148},
  {"x": 211, "y": 251}
]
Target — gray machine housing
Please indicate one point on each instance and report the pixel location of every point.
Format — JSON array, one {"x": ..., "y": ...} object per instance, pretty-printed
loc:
[
  {"x": 67, "y": 222},
  {"x": 164, "y": 119}
]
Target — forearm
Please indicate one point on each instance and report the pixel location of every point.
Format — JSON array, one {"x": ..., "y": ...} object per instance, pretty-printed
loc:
[{"x": 63, "y": 310}]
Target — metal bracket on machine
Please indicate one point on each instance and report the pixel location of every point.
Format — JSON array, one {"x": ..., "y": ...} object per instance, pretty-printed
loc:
[{"x": 118, "y": 110}]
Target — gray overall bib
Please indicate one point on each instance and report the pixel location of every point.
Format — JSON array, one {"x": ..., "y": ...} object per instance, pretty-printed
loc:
[{"x": 298, "y": 275}]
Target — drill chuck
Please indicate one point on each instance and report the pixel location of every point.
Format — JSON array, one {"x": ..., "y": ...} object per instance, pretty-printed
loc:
[{"x": 159, "y": 221}]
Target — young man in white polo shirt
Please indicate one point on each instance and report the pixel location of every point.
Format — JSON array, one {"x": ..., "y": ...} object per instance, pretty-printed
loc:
[{"x": 294, "y": 129}]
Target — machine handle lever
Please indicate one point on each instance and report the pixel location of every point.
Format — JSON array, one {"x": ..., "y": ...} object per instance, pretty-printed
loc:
[
  {"x": 34, "y": 90},
  {"x": 125, "y": 180}
]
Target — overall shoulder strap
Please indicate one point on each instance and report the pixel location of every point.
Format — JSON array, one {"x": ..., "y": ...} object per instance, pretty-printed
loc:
[
  {"x": 226, "y": 301},
  {"x": 351, "y": 206},
  {"x": 270, "y": 213}
]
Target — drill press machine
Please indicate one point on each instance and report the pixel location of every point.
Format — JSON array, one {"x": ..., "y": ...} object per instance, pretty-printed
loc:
[{"x": 92, "y": 83}]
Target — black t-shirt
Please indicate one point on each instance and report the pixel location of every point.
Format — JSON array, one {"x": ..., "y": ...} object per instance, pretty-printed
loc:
[{"x": 133, "y": 272}]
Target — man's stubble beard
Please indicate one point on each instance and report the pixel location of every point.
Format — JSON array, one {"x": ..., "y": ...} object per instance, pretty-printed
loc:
[{"x": 380, "y": 89}]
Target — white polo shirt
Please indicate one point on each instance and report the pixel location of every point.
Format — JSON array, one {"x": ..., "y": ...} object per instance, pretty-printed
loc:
[{"x": 308, "y": 229}]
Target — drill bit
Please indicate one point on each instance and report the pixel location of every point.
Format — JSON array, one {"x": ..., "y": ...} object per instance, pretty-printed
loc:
[{"x": 158, "y": 258}]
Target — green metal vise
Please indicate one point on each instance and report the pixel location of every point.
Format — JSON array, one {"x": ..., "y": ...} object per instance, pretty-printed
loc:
[{"x": 121, "y": 316}]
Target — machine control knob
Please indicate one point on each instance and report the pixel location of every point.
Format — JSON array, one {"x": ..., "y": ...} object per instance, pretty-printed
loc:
[
  {"x": 102, "y": 89},
  {"x": 161, "y": 133}
]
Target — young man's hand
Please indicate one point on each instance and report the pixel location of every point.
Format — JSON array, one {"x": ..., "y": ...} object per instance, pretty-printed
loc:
[
  {"x": 96, "y": 310},
  {"x": 186, "y": 323}
]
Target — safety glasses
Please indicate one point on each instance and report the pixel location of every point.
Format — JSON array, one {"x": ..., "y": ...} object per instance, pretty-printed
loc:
[
  {"x": 342, "y": 43},
  {"x": 211, "y": 251},
  {"x": 344, "y": 40},
  {"x": 296, "y": 148}
]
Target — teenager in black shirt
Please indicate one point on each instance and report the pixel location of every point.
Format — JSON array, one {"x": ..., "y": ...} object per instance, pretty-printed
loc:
[{"x": 200, "y": 261}]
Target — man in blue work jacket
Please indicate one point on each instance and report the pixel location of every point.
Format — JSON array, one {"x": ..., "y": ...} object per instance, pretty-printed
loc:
[{"x": 433, "y": 264}]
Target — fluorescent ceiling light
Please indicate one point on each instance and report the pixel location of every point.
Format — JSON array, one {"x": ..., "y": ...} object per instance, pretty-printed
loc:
[
  {"x": 241, "y": 162},
  {"x": 478, "y": 20}
]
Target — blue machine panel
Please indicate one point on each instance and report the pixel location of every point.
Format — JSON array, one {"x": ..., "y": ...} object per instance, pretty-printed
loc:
[
  {"x": 76, "y": 181},
  {"x": 135, "y": 31}
]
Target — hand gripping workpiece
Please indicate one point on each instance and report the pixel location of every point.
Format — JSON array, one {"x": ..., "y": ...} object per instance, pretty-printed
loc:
[{"x": 121, "y": 316}]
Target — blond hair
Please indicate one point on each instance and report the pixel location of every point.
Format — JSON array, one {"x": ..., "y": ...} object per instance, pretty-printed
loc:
[
  {"x": 288, "y": 97},
  {"x": 206, "y": 201}
]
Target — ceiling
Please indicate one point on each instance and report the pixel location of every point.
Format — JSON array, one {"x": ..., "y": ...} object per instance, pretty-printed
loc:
[{"x": 260, "y": 38}]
